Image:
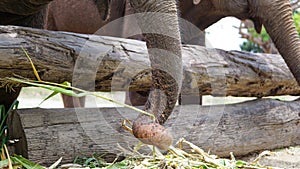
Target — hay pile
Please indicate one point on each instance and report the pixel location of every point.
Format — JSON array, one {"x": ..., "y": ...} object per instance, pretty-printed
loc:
[{"x": 195, "y": 158}]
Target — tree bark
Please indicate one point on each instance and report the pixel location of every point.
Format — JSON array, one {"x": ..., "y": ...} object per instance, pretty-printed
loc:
[
  {"x": 121, "y": 64},
  {"x": 48, "y": 134}
]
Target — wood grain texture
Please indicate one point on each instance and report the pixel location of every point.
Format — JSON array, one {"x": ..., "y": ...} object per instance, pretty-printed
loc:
[
  {"x": 47, "y": 134},
  {"x": 106, "y": 63}
]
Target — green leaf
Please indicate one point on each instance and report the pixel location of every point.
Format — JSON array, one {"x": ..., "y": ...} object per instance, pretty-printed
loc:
[
  {"x": 240, "y": 163},
  {"x": 89, "y": 162},
  {"x": 223, "y": 162},
  {"x": 65, "y": 89},
  {"x": 203, "y": 167},
  {"x": 58, "y": 89},
  {"x": 48, "y": 97},
  {"x": 256, "y": 48},
  {"x": 296, "y": 17},
  {"x": 14, "y": 105},
  {"x": 66, "y": 83},
  {"x": 5, "y": 114},
  {"x": 2, "y": 115},
  {"x": 3, "y": 118},
  {"x": 26, "y": 163},
  {"x": 120, "y": 165}
]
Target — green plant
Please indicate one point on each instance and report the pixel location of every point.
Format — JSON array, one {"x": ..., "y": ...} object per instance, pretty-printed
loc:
[
  {"x": 261, "y": 43},
  {"x": 5, "y": 158},
  {"x": 3, "y": 125},
  {"x": 296, "y": 17}
]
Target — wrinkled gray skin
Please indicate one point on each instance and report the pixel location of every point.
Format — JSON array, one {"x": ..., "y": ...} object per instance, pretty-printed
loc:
[
  {"x": 61, "y": 17},
  {"x": 275, "y": 15},
  {"x": 25, "y": 13}
]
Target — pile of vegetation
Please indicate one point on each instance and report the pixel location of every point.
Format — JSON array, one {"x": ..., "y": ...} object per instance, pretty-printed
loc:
[{"x": 195, "y": 158}]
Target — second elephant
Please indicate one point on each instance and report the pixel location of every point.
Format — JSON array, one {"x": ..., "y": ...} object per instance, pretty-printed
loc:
[{"x": 275, "y": 15}]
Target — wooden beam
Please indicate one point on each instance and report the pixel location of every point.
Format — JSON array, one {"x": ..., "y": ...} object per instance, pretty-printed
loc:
[
  {"x": 48, "y": 134},
  {"x": 107, "y": 63}
]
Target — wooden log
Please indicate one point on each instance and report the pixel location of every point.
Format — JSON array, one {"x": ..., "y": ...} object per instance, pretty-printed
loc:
[
  {"x": 107, "y": 63},
  {"x": 48, "y": 134}
]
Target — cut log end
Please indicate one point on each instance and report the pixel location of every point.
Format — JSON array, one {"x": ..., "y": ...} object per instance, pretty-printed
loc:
[
  {"x": 17, "y": 135},
  {"x": 239, "y": 128}
]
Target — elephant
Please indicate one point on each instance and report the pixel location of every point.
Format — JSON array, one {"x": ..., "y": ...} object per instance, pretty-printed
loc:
[
  {"x": 61, "y": 17},
  {"x": 275, "y": 15},
  {"x": 201, "y": 13},
  {"x": 165, "y": 83}
]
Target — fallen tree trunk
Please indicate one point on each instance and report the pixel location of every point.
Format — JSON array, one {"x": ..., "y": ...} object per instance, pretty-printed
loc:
[
  {"x": 48, "y": 134},
  {"x": 106, "y": 63}
]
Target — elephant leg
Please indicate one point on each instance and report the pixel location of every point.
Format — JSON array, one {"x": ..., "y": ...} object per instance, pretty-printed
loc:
[
  {"x": 189, "y": 99},
  {"x": 136, "y": 98},
  {"x": 71, "y": 102},
  {"x": 8, "y": 97},
  {"x": 20, "y": 13},
  {"x": 276, "y": 16}
]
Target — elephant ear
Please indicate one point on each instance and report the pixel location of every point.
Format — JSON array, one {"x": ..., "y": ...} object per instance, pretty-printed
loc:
[
  {"x": 103, "y": 8},
  {"x": 196, "y": 2},
  {"x": 257, "y": 24}
]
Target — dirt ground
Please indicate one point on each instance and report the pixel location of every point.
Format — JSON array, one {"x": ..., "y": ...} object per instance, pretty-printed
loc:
[{"x": 288, "y": 158}]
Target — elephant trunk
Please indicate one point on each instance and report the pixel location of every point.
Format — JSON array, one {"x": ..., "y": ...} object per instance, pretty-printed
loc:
[
  {"x": 277, "y": 19},
  {"x": 159, "y": 24}
]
